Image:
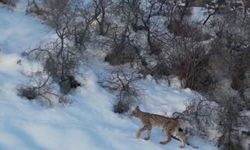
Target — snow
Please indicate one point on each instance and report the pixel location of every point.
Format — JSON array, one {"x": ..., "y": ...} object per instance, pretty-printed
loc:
[
  {"x": 199, "y": 14},
  {"x": 87, "y": 123},
  {"x": 16, "y": 32}
]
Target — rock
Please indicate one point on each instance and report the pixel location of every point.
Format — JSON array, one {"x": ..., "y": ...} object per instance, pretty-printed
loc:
[{"x": 68, "y": 83}]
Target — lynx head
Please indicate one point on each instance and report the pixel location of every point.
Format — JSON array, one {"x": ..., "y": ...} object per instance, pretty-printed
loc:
[{"x": 136, "y": 111}]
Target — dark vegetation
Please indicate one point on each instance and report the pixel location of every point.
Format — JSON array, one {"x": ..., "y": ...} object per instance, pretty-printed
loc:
[
  {"x": 9, "y": 2},
  {"x": 124, "y": 85}
]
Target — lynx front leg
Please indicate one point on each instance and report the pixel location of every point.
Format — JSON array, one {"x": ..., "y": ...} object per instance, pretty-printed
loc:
[
  {"x": 168, "y": 134},
  {"x": 138, "y": 134},
  {"x": 148, "y": 128}
]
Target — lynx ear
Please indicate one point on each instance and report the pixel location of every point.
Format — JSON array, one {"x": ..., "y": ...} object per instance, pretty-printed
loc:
[{"x": 137, "y": 108}]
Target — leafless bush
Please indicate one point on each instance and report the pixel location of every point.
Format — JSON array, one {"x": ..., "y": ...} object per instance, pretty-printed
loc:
[
  {"x": 60, "y": 65},
  {"x": 80, "y": 28},
  {"x": 9, "y": 2},
  {"x": 188, "y": 59},
  {"x": 201, "y": 115},
  {"x": 72, "y": 20},
  {"x": 34, "y": 8},
  {"x": 231, "y": 47},
  {"x": 40, "y": 87},
  {"x": 57, "y": 62},
  {"x": 221, "y": 114},
  {"x": 56, "y": 10},
  {"x": 159, "y": 71},
  {"x": 60, "y": 58},
  {"x": 122, "y": 49},
  {"x": 100, "y": 7},
  {"x": 29, "y": 92},
  {"x": 184, "y": 29},
  {"x": 229, "y": 122},
  {"x": 123, "y": 84},
  {"x": 121, "y": 54}
]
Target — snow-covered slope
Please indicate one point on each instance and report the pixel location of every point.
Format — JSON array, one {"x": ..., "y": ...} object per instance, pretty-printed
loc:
[
  {"x": 19, "y": 31},
  {"x": 87, "y": 123}
]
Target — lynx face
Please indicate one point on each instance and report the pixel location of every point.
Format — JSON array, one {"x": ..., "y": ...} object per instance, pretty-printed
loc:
[{"x": 135, "y": 112}]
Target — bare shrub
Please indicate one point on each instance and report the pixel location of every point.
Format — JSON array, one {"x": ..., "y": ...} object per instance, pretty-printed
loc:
[
  {"x": 40, "y": 88},
  {"x": 34, "y": 8},
  {"x": 184, "y": 29},
  {"x": 29, "y": 92},
  {"x": 188, "y": 59},
  {"x": 229, "y": 117},
  {"x": 61, "y": 65},
  {"x": 124, "y": 85},
  {"x": 200, "y": 115},
  {"x": 159, "y": 71},
  {"x": 221, "y": 114},
  {"x": 71, "y": 19},
  {"x": 121, "y": 54},
  {"x": 61, "y": 57},
  {"x": 56, "y": 9},
  {"x": 100, "y": 7},
  {"x": 9, "y": 2},
  {"x": 231, "y": 47},
  {"x": 57, "y": 62},
  {"x": 122, "y": 49}
]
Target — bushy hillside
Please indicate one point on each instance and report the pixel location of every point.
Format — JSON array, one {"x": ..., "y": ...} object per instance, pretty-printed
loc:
[
  {"x": 88, "y": 121},
  {"x": 72, "y": 71}
]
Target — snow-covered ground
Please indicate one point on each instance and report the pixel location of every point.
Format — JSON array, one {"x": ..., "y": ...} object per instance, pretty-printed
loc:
[
  {"x": 19, "y": 31},
  {"x": 87, "y": 123}
]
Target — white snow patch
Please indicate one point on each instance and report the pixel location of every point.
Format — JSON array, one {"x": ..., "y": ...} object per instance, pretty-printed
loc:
[{"x": 19, "y": 32}]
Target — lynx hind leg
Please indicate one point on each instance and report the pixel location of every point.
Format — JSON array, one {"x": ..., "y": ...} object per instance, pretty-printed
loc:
[
  {"x": 182, "y": 137},
  {"x": 168, "y": 132}
]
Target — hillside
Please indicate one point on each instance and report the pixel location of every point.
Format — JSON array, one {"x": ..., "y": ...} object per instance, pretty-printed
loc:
[{"x": 88, "y": 121}]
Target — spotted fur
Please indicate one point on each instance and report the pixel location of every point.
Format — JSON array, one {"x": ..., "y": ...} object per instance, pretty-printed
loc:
[{"x": 169, "y": 125}]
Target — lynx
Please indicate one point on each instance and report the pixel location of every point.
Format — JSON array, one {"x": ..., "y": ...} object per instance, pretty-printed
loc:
[{"x": 170, "y": 126}]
